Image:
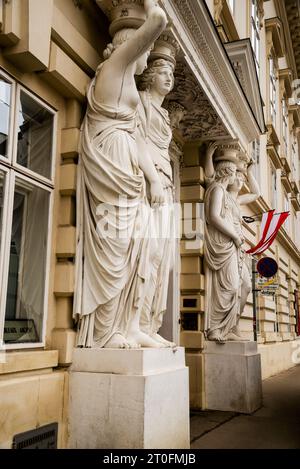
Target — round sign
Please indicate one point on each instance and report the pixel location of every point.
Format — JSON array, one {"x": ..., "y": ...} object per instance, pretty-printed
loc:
[{"x": 267, "y": 267}]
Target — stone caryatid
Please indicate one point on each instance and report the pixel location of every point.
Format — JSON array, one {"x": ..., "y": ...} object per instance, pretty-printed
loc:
[
  {"x": 227, "y": 274},
  {"x": 113, "y": 248},
  {"x": 155, "y": 130}
]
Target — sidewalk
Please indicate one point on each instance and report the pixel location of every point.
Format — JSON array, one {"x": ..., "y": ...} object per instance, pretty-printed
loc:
[{"x": 275, "y": 426}]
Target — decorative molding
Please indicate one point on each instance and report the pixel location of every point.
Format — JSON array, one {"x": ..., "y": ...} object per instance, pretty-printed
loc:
[
  {"x": 218, "y": 7},
  {"x": 286, "y": 181},
  {"x": 274, "y": 156},
  {"x": 241, "y": 56},
  {"x": 261, "y": 12},
  {"x": 198, "y": 119},
  {"x": 294, "y": 111},
  {"x": 176, "y": 152},
  {"x": 295, "y": 200},
  {"x": 275, "y": 38},
  {"x": 286, "y": 165},
  {"x": 176, "y": 113},
  {"x": 165, "y": 47},
  {"x": 286, "y": 78},
  {"x": 239, "y": 72},
  {"x": 224, "y": 20},
  {"x": 292, "y": 8},
  {"x": 272, "y": 136},
  {"x": 199, "y": 40},
  {"x": 295, "y": 188}
]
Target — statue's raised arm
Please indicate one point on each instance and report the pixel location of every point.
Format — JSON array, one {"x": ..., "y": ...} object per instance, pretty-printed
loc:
[{"x": 127, "y": 57}]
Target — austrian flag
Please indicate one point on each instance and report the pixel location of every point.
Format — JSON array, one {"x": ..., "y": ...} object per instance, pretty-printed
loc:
[{"x": 270, "y": 225}]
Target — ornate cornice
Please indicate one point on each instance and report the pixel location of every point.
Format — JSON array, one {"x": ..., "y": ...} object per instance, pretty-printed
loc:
[
  {"x": 292, "y": 10},
  {"x": 198, "y": 119},
  {"x": 205, "y": 54}
]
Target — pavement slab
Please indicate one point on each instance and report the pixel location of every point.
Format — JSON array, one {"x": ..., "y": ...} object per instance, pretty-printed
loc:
[{"x": 275, "y": 426}]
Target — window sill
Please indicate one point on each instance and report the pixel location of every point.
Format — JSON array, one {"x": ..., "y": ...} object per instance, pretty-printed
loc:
[{"x": 15, "y": 362}]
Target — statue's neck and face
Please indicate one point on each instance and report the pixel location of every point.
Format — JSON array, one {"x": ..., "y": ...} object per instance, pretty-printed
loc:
[
  {"x": 162, "y": 84},
  {"x": 236, "y": 187}
]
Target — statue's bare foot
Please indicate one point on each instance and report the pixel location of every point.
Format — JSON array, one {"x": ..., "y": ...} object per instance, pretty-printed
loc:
[
  {"x": 236, "y": 331},
  {"x": 118, "y": 341},
  {"x": 133, "y": 344},
  {"x": 216, "y": 336},
  {"x": 144, "y": 340},
  {"x": 163, "y": 341},
  {"x": 235, "y": 338}
]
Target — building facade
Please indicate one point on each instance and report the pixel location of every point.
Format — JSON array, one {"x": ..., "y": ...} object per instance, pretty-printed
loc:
[{"x": 236, "y": 84}]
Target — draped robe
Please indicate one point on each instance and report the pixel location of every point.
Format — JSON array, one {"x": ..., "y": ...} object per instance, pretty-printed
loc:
[
  {"x": 223, "y": 268},
  {"x": 156, "y": 130},
  {"x": 113, "y": 247}
]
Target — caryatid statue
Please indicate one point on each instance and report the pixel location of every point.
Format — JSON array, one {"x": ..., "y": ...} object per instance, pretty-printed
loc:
[
  {"x": 113, "y": 250},
  {"x": 226, "y": 271},
  {"x": 155, "y": 84}
]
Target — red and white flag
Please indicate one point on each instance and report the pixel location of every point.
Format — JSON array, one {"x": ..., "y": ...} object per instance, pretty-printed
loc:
[{"x": 270, "y": 225}]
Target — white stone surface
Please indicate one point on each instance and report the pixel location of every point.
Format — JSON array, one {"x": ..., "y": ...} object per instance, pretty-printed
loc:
[
  {"x": 128, "y": 362},
  {"x": 279, "y": 356},
  {"x": 232, "y": 377},
  {"x": 231, "y": 348},
  {"x": 147, "y": 406}
]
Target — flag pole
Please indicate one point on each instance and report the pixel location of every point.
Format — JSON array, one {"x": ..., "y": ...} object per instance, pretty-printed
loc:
[{"x": 254, "y": 290}]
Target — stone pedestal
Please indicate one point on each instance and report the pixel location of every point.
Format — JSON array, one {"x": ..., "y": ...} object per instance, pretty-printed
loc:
[
  {"x": 129, "y": 399},
  {"x": 232, "y": 377}
]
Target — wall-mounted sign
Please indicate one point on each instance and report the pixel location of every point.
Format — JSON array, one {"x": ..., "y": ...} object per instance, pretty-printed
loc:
[
  {"x": 267, "y": 267},
  {"x": 20, "y": 331},
  {"x": 267, "y": 286}
]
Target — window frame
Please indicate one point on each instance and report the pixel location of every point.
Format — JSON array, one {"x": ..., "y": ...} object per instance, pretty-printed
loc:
[
  {"x": 19, "y": 167},
  {"x": 294, "y": 156},
  {"x": 7, "y": 78},
  {"x": 6, "y": 173},
  {"x": 231, "y": 6},
  {"x": 14, "y": 171},
  {"x": 273, "y": 91},
  {"x": 285, "y": 126},
  {"x": 287, "y": 208},
  {"x": 255, "y": 153},
  {"x": 255, "y": 38},
  {"x": 273, "y": 193}
]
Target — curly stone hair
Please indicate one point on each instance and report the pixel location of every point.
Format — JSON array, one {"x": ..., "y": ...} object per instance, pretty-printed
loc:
[
  {"x": 146, "y": 80},
  {"x": 224, "y": 170}
]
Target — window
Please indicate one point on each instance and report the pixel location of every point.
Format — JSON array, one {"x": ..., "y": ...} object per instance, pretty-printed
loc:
[
  {"x": 26, "y": 186},
  {"x": 272, "y": 91},
  {"x": 273, "y": 188},
  {"x": 255, "y": 33},
  {"x": 256, "y": 158},
  {"x": 294, "y": 160},
  {"x": 297, "y": 229},
  {"x": 285, "y": 127},
  {"x": 287, "y": 209},
  {"x": 231, "y": 4},
  {"x": 5, "y": 116}
]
